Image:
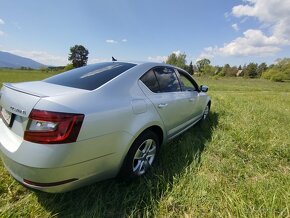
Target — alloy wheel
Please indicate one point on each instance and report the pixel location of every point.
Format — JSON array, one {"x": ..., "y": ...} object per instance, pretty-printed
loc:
[
  {"x": 206, "y": 112},
  {"x": 144, "y": 157}
]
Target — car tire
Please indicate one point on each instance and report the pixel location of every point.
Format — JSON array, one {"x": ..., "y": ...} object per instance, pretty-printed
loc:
[
  {"x": 205, "y": 114},
  {"x": 141, "y": 156}
]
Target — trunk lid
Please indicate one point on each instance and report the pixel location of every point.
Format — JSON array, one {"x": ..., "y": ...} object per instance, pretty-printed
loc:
[
  {"x": 43, "y": 89},
  {"x": 18, "y": 99}
]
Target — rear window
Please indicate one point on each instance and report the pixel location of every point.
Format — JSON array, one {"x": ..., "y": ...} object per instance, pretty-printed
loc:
[{"x": 90, "y": 77}]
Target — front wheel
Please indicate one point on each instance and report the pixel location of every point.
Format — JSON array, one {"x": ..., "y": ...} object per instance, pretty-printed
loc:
[
  {"x": 206, "y": 112},
  {"x": 141, "y": 155}
]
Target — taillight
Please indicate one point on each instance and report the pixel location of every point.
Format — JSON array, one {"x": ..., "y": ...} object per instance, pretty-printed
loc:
[{"x": 53, "y": 127}]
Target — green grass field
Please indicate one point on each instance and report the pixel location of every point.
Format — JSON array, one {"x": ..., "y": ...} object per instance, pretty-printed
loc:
[{"x": 237, "y": 164}]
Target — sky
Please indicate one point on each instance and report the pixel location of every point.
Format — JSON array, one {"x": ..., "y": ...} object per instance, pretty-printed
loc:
[{"x": 224, "y": 31}]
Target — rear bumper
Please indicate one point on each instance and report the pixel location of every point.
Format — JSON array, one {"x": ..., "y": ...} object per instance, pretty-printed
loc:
[
  {"x": 62, "y": 167},
  {"x": 61, "y": 179}
]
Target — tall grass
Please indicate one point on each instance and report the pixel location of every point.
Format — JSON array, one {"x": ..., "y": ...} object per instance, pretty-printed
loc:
[
  {"x": 236, "y": 164},
  {"x": 9, "y": 75}
]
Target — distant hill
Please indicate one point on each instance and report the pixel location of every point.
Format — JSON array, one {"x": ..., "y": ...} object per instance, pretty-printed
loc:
[{"x": 14, "y": 61}]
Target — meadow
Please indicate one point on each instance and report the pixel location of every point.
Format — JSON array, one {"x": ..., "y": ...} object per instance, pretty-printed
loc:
[{"x": 236, "y": 164}]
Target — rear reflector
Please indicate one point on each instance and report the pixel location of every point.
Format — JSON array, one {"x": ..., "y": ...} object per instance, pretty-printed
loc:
[
  {"x": 47, "y": 127},
  {"x": 50, "y": 184}
]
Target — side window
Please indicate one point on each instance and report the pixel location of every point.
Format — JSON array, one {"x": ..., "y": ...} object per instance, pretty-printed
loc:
[
  {"x": 167, "y": 79},
  {"x": 185, "y": 83},
  {"x": 149, "y": 79}
]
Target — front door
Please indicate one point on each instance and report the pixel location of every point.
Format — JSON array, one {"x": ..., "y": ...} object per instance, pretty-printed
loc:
[{"x": 168, "y": 98}]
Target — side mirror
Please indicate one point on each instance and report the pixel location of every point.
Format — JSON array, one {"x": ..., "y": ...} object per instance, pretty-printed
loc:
[{"x": 203, "y": 88}]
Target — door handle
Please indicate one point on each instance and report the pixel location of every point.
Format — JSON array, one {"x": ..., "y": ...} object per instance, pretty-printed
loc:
[{"x": 162, "y": 105}]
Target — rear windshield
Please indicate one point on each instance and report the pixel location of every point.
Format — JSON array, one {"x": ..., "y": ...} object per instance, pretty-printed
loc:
[{"x": 90, "y": 77}]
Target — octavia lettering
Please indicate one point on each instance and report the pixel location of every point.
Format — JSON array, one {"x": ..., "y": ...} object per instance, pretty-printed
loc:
[{"x": 16, "y": 110}]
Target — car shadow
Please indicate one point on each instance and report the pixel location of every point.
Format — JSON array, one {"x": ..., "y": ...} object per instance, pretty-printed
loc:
[{"x": 115, "y": 198}]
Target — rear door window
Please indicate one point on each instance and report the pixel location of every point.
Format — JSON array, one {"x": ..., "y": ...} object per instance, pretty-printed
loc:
[
  {"x": 90, "y": 77},
  {"x": 167, "y": 79}
]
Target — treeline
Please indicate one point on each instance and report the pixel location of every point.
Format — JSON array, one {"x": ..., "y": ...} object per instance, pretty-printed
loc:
[{"x": 280, "y": 71}]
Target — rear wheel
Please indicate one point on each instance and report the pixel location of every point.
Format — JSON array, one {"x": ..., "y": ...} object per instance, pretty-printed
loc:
[{"x": 141, "y": 155}]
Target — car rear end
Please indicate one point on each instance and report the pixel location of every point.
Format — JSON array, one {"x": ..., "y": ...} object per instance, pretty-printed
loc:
[
  {"x": 35, "y": 143},
  {"x": 48, "y": 139}
]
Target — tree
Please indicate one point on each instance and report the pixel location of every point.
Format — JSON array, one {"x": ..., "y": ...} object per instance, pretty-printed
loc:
[
  {"x": 234, "y": 70},
  {"x": 209, "y": 70},
  {"x": 172, "y": 59},
  {"x": 261, "y": 69},
  {"x": 190, "y": 68},
  {"x": 78, "y": 55},
  {"x": 201, "y": 64},
  {"x": 230, "y": 71},
  {"x": 226, "y": 68},
  {"x": 177, "y": 60},
  {"x": 251, "y": 70}
]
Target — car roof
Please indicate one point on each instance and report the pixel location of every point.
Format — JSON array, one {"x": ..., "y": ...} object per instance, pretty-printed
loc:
[{"x": 147, "y": 63}]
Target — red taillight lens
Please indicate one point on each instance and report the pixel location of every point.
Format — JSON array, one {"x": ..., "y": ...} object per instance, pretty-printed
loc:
[{"x": 53, "y": 127}]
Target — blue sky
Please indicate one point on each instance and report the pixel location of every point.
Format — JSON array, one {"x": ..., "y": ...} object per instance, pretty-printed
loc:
[{"x": 225, "y": 31}]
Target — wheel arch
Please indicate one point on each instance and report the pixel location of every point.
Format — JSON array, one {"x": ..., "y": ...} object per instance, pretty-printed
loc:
[
  {"x": 209, "y": 103},
  {"x": 153, "y": 128},
  {"x": 158, "y": 131}
]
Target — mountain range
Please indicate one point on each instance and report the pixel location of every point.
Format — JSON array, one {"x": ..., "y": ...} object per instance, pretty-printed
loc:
[{"x": 14, "y": 61}]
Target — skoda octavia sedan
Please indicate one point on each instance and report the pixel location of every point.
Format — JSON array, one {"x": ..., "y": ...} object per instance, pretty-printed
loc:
[{"x": 95, "y": 122}]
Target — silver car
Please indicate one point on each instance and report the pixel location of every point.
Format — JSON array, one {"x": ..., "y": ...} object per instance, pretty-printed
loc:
[{"x": 95, "y": 122}]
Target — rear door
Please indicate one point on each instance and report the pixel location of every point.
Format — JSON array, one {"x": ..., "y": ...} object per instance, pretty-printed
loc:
[{"x": 167, "y": 97}]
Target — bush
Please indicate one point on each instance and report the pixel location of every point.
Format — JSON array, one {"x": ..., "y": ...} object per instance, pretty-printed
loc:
[
  {"x": 278, "y": 72},
  {"x": 278, "y": 77},
  {"x": 268, "y": 73},
  {"x": 68, "y": 67}
]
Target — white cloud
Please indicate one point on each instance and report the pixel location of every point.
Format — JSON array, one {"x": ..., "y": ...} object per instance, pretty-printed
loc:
[
  {"x": 112, "y": 41},
  {"x": 265, "y": 10},
  {"x": 235, "y": 27},
  {"x": 124, "y": 40},
  {"x": 270, "y": 37},
  {"x": 157, "y": 58},
  {"x": 2, "y": 21},
  {"x": 208, "y": 53},
  {"x": 253, "y": 42},
  {"x": 274, "y": 13},
  {"x": 160, "y": 58},
  {"x": 42, "y": 57},
  {"x": 178, "y": 52},
  {"x": 1, "y": 33}
]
